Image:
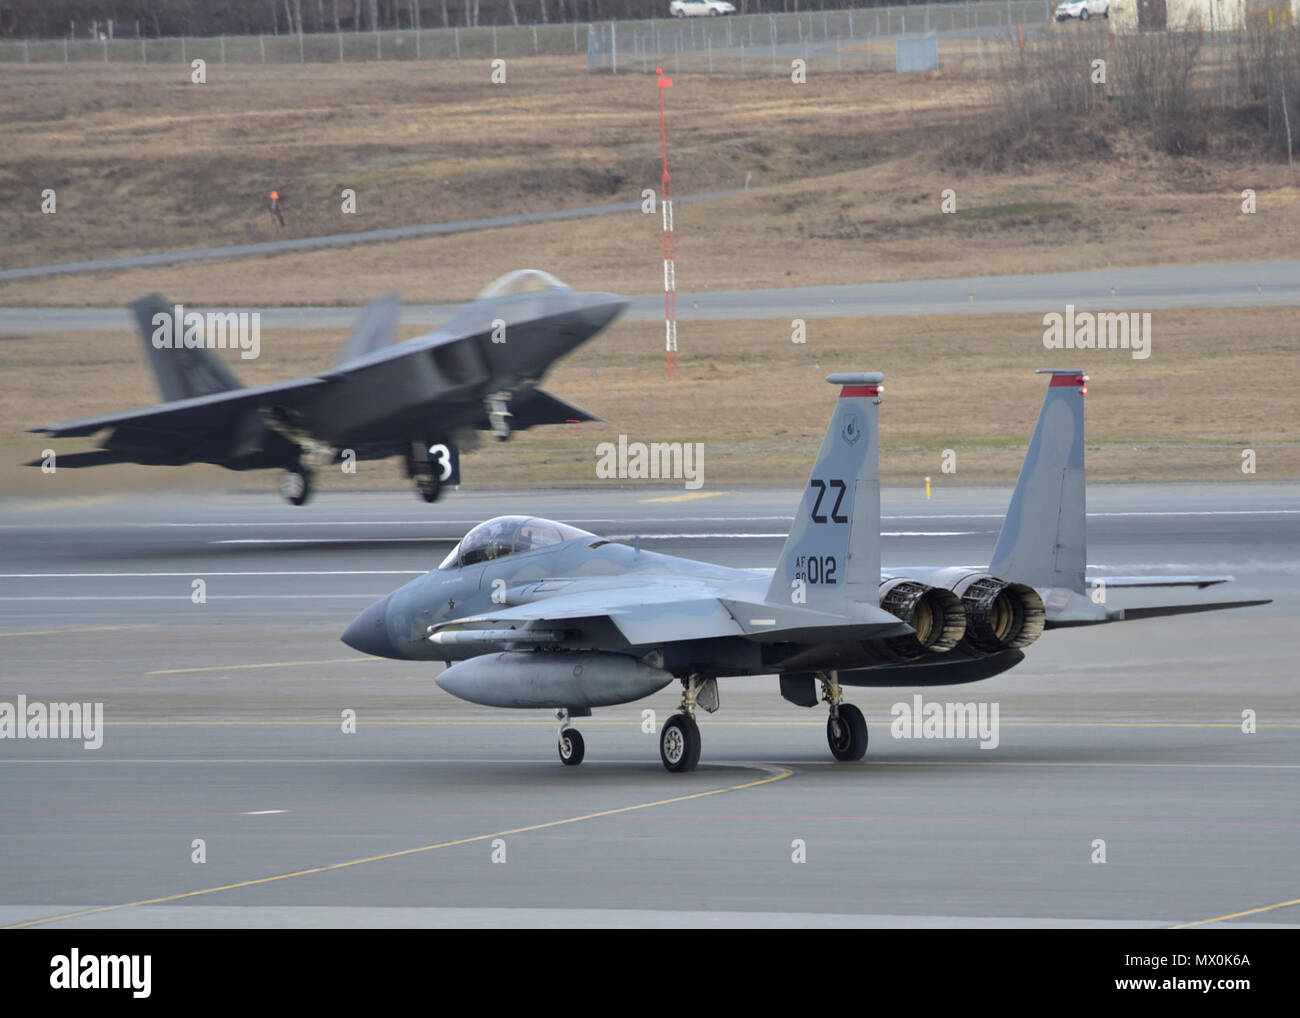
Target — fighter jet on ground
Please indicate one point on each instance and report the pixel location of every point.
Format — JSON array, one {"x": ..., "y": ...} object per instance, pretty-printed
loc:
[
  {"x": 540, "y": 614},
  {"x": 421, "y": 399}
]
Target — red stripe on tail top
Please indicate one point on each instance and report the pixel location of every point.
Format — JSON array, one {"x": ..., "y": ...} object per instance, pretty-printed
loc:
[
  {"x": 859, "y": 390},
  {"x": 1059, "y": 380}
]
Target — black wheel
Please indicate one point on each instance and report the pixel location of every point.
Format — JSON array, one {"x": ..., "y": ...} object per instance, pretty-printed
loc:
[
  {"x": 847, "y": 734},
  {"x": 295, "y": 486},
  {"x": 1083, "y": 15},
  {"x": 428, "y": 487},
  {"x": 572, "y": 748},
  {"x": 679, "y": 743}
]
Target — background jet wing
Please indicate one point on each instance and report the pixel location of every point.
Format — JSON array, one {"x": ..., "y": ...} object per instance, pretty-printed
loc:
[{"x": 197, "y": 413}]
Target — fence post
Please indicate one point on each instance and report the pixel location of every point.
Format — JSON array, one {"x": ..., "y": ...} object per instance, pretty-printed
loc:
[
  {"x": 183, "y": 60},
  {"x": 417, "y": 42},
  {"x": 742, "y": 56},
  {"x": 535, "y": 49},
  {"x": 613, "y": 46},
  {"x": 105, "y": 41},
  {"x": 144, "y": 57},
  {"x": 850, "y": 22},
  {"x": 301, "y": 58},
  {"x": 709, "y": 41},
  {"x": 261, "y": 45},
  {"x": 27, "y": 50},
  {"x": 494, "y": 40},
  {"x": 223, "y": 49},
  {"x": 575, "y": 37},
  {"x": 340, "y": 35},
  {"x": 456, "y": 29},
  {"x": 65, "y": 51},
  {"x": 379, "y": 45}
]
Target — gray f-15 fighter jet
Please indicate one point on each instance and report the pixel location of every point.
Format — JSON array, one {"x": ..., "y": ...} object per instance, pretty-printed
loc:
[
  {"x": 540, "y": 614},
  {"x": 421, "y": 399}
]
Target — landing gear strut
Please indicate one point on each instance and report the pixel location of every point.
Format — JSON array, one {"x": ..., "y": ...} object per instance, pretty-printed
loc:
[
  {"x": 846, "y": 728},
  {"x": 571, "y": 747},
  {"x": 498, "y": 411},
  {"x": 679, "y": 739},
  {"x": 421, "y": 470}
]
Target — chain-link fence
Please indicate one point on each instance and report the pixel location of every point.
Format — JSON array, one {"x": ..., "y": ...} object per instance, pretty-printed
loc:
[
  {"x": 845, "y": 36},
  {"x": 847, "y": 39},
  {"x": 311, "y": 47}
]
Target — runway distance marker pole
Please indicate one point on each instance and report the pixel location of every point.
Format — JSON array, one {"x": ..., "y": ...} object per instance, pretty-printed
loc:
[{"x": 670, "y": 265}]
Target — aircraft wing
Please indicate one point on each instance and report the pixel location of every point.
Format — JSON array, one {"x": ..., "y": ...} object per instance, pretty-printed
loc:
[
  {"x": 640, "y": 616},
  {"x": 670, "y": 613},
  {"x": 198, "y": 413}
]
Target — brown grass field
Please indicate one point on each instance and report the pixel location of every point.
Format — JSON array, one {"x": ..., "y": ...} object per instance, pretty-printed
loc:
[{"x": 847, "y": 171}]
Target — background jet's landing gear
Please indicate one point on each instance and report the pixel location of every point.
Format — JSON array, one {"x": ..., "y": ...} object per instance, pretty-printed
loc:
[
  {"x": 498, "y": 410},
  {"x": 421, "y": 470},
  {"x": 295, "y": 485},
  {"x": 679, "y": 739},
  {"x": 572, "y": 749},
  {"x": 846, "y": 728}
]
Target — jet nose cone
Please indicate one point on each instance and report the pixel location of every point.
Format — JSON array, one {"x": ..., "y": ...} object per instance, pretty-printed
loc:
[{"x": 368, "y": 632}]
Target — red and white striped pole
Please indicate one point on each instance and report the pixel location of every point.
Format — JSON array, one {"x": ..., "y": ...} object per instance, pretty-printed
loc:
[{"x": 670, "y": 266}]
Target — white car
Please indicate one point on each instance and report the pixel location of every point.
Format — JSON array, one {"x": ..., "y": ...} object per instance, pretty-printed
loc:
[
  {"x": 700, "y": 8},
  {"x": 1082, "y": 9}
]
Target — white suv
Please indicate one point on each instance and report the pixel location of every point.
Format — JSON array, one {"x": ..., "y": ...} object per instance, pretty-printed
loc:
[
  {"x": 1082, "y": 9},
  {"x": 700, "y": 8}
]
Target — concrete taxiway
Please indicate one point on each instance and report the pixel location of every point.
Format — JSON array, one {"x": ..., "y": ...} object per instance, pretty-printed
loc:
[
  {"x": 1245, "y": 284},
  {"x": 224, "y": 724}
]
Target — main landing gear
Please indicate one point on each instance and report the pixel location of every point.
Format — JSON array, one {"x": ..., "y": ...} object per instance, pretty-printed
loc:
[
  {"x": 846, "y": 728},
  {"x": 679, "y": 739},
  {"x": 424, "y": 472},
  {"x": 296, "y": 485}
]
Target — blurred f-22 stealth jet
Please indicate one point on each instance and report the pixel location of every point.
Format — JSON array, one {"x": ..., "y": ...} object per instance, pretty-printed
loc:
[{"x": 421, "y": 399}]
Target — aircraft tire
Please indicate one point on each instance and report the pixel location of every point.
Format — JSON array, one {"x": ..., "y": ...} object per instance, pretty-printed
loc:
[
  {"x": 847, "y": 734},
  {"x": 295, "y": 486},
  {"x": 679, "y": 743},
  {"x": 571, "y": 747},
  {"x": 428, "y": 487}
]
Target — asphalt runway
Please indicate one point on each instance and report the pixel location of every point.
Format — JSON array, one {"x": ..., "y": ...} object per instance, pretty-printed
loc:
[
  {"x": 223, "y": 723},
  {"x": 1245, "y": 284}
]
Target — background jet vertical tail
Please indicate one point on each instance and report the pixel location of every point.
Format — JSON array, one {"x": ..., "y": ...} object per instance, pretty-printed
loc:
[
  {"x": 834, "y": 542},
  {"x": 375, "y": 330},
  {"x": 181, "y": 373},
  {"x": 1043, "y": 541}
]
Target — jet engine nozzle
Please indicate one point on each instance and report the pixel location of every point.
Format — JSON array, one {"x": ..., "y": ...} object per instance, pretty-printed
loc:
[
  {"x": 999, "y": 614},
  {"x": 936, "y": 615}
]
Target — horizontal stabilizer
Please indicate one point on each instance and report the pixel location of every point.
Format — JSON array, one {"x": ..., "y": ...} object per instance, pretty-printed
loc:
[
  {"x": 1158, "y": 581},
  {"x": 1129, "y": 614},
  {"x": 940, "y": 673},
  {"x": 534, "y": 407},
  {"x": 94, "y": 458}
]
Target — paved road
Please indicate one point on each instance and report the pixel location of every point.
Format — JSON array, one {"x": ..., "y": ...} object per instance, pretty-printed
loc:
[
  {"x": 224, "y": 725},
  {"x": 271, "y": 247},
  {"x": 1247, "y": 284}
]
